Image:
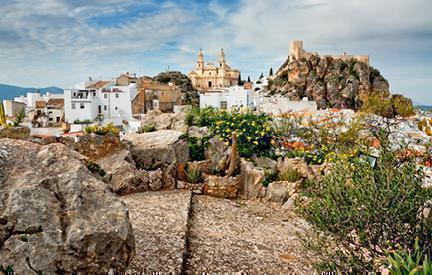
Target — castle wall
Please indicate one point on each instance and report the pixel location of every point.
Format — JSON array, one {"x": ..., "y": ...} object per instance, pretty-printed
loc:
[{"x": 297, "y": 52}]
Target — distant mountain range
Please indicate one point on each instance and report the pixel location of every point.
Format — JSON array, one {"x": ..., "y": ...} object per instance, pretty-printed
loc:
[
  {"x": 10, "y": 91},
  {"x": 424, "y": 107}
]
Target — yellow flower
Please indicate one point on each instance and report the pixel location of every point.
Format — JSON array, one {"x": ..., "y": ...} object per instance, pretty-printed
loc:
[
  {"x": 262, "y": 134},
  {"x": 255, "y": 142},
  {"x": 249, "y": 138}
]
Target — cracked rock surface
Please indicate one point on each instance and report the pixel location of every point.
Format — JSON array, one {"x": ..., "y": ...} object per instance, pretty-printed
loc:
[
  {"x": 160, "y": 225},
  {"x": 244, "y": 237},
  {"x": 219, "y": 236},
  {"x": 56, "y": 216}
]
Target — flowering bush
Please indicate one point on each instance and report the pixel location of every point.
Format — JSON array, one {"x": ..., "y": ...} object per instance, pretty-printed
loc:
[
  {"x": 107, "y": 129},
  {"x": 254, "y": 132},
  {"x": 201, "y": 117}
]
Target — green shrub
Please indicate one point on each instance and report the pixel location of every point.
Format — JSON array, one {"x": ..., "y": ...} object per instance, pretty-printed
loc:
[
  {"x": 19, "y": 117},
  {"x": 193, "y": 174},
  {"x": 269, "y": 176},
  {"x": 107, "y": 129},
  {"x": 201, "y": 117},
  {"x": 8, "y": 270},
  {"x": 407, "y": 263},
  {"x": 197, "y": 146},
  {"x": 366, "y": 210},
  {"x": 95, "y": 168},
  {"x": 77, "y": 121},
  {"x": 254, "y": 133},
  {"x": 148, "y": 128},
  {"x": 291, "y": 175}
]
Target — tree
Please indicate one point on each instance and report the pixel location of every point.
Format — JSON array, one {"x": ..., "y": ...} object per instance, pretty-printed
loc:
[
  {"x": 261, "y": 76},
  {"x": 239, "y": 79},
  {"x": 249, "y": 79},
  {"x": 271, "y": 72}
]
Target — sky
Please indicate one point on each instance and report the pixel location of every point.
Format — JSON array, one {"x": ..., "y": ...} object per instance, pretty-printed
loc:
[{"x": 62, "y": 42}]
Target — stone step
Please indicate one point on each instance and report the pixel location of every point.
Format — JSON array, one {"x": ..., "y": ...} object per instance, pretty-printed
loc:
[{"x": 160, "y": 224}]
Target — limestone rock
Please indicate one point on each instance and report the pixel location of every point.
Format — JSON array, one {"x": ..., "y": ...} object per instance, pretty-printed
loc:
[
  {"x": 298, "y": 164},
  {"x": 281, "y": 191},
  {"x": 331, "y": 82},
  {"x": 56, "y": 216},
  {"x": 122, "y": 173},
  {"x": 190, "y": 95},
  {"x": 198, "y": 132},
  {"x": 96, "y": 146},
  {"x": 215, "y": 152},
  {"x": 222, "y": 187},
  {"x": 251, "y": 186},
  {"x": 158, "y": 149},
  {"x": 165, "y": 121},
  {"x": 20, "y": 132}
]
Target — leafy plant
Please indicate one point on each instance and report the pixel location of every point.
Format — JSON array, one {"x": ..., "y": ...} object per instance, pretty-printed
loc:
[
  {"x": 254, "y": 132},
  {"x": 19, "y": 117},
  {"x": 365, "y": 210},
  {"x": 269, "y": 176},
  {"x": 95, "y": 168},
  {"x": 77, "y": 121},
  {"x": 107, "y": 129},
  {"x": 8, "y": 270},
  {"x": 290, "y": 174},
  {"x": 193, "y": 174},
  {"x": 197, "y": 146},
  {"x": 148, "y": 128},
  {"x": 407, "y": 263}
]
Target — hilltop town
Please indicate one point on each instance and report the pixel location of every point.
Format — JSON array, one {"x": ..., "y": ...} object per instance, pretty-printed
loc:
[{"x": 211, "y": 173}]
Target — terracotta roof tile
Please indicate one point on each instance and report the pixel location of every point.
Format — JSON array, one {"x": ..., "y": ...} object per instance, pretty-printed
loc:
[
  {"x": 40, "y": 104},
  {"x": 99, "y": 84}
]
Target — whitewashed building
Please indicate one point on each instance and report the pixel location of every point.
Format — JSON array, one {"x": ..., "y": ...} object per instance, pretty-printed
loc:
[
  {"x": 30, "y": 99},
  {"x": 227, "y": 98},
  {"x": 91, "y": 99}
]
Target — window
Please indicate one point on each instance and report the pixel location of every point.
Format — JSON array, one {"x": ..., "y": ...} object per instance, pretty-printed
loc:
[
  {"x": 105, "y": 95},
  {"x": 115, "y": 107},
  {"x": 82, "y": 106},
  {"x": 73, "y": 106},
  {"x": 105, "y": 108},
  {"x": 117, "y": 95},
  {"x": 223, "y": 105}
]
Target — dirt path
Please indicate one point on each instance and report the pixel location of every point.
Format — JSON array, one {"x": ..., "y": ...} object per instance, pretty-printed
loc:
[{"x": 177, "y": 233}]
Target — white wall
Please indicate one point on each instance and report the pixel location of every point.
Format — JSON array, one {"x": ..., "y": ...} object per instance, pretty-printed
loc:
[{"x": 112, "y": 104}]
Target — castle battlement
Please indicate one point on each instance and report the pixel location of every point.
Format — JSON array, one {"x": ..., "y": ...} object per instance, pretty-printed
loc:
[{"x": 297, "y": 52}]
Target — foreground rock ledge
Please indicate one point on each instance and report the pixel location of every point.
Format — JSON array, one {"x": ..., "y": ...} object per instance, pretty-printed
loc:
[{"x": 56, "y": 216}]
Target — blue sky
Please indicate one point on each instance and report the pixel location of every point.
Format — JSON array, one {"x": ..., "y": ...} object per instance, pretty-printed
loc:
[{"x": 62, "y": 42}]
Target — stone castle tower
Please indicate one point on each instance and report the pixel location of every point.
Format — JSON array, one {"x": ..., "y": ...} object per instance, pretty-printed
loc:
[{"x": 210, "y": 77}]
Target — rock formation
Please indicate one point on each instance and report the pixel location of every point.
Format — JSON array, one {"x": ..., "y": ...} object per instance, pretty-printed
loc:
[
  {"x": 56, "y": 216},
  {"x": 331, "y": 82},
  {"x": 181, "y": 81}
]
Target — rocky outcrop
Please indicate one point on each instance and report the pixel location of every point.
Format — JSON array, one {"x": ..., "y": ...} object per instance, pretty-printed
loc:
[
  {"x": 162, "y": 150},
  {"x": 331, "y": 82},
  {"x": 122, "y": 174},
  {"x": 281, "y": 191},
  {"x": 183, "y": 82},
  {"x": 20, "y": 132},
  {"x": 56, "y": 216},
  {"x": 251, "y": 185},
  {"x": 215, "y": 152},
  {"x": 164, "y": 121},
  {"x": 96, "y": 146}
]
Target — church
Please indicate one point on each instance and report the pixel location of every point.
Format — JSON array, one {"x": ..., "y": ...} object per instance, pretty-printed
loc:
[{"x": 211, "y": 77}]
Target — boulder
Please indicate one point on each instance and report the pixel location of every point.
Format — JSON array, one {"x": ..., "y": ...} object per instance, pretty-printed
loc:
[
  {"x": 96, "y": 146},
  {"x": 122, "y": 174},
  {"x": 198, "y": 132},
  {"x": 251, "y": 186},
  {"x": 165, "y": 121},
  {"x": 281, "y": 191},
  {"x": 20, "y": 132},
  {"x": 56, "y": 216},
  {"x": 298, "y": 164},
  {"x": 215, "y": 152},
  {"x": 222, "y": 187},
  {"x": 290, "y": 203},
  {"x": 158, "y": 149}
]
